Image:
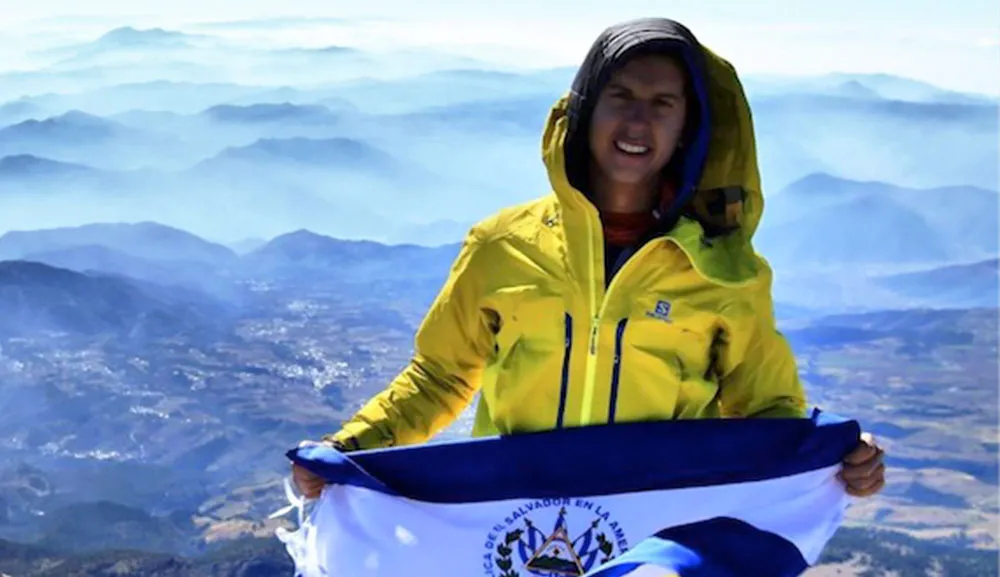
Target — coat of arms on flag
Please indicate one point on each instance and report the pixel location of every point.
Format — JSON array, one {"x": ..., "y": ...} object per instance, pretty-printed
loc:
[
  {"x": 699, "y": 498},
  {"x": 553, "y": 537}
]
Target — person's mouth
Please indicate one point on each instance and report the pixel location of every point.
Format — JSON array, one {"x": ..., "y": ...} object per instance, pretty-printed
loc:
[{"x": 632, "y": 149}]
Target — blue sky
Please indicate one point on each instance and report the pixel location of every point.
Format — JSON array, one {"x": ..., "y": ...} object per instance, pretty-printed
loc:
[{"x": 956, "y": 47}]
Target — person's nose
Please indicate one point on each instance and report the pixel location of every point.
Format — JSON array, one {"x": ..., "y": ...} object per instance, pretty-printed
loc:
[{"x": 638, "y": 113}]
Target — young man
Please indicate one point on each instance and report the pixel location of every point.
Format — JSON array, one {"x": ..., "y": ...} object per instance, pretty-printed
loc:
[{"x": 632, "y": 292}]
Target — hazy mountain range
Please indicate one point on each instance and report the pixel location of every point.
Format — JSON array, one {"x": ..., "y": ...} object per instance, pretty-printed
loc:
[
  {"x": 127, "y": 54},
  {"x": 821, "y": 220},
  {"x": 167, "y": 256},
  {"x": 179, "y": 126}
]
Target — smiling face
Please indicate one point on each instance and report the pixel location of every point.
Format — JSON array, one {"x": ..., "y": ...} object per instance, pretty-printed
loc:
[{"x": 638, "y": 121}]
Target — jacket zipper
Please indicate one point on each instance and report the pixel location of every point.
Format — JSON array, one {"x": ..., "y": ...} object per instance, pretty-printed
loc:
[
  {"x": 564, "y": 384},
  {"x": 616, "y": 371},
  {"x": 597, "y": 310}
]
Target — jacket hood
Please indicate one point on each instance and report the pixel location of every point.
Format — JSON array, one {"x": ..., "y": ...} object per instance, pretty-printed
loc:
[{"x": 719, "y": 178}]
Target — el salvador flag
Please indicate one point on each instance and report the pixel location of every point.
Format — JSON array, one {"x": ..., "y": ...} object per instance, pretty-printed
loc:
[{"x": 691, "y": 498}]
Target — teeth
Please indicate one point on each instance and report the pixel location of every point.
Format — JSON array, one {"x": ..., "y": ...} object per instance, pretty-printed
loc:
[{"x": 631, "y": 148}]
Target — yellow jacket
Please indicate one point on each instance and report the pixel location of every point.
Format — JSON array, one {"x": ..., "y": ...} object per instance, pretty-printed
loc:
[{"x": 685, "y": 329}]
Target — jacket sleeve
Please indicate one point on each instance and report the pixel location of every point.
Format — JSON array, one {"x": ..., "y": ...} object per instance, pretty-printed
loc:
[
  {"x": 450, "y": 351},
  {"x": 759, "y": 377}
]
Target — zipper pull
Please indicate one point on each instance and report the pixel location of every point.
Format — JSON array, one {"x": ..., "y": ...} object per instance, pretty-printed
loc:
[{"x": 593, "y": 335}]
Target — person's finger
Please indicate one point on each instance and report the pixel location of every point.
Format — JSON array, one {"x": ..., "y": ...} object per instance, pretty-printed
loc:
[
  {"x": 316, "y": 484},
  {"x": 864, "y": 479},
  {"x": 863, "y": 471},
  {"x": 860, "y": 454},
  {"x": 301, "y": 475},
  {"x": 866, "y": 492},
  {"x": 305, "y": 475},
  {"x": 309, "y": 483},
  {"x": 310, "y": 490}
]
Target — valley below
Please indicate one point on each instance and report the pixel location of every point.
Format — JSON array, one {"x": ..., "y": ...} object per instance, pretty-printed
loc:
[{"x": 146, "y": 419}]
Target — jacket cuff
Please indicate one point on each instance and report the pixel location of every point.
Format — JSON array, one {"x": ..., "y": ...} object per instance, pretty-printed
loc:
[{"x": 357, "y": 437}]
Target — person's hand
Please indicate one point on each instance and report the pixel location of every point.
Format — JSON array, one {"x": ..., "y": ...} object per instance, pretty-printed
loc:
[
  {"x": 863, "y": 472},
  {"x": 308, "y": 483}
]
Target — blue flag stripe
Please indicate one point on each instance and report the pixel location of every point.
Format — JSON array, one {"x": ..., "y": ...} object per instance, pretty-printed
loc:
[
  {"x": 720, "y": 547},
  {"x": 630, "y": 457}
]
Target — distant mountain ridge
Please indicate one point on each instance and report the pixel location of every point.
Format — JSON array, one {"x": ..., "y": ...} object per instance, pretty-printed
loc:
[
  {"x": 321, "y": 153},
  {"x": 491, "y": 108},
  {"x": 30, "y": 166},
  {"x": 116, "y": 50},
  {"x": 304, "y": 245},
  {"x": 302, "y": 254},
  {"x": 874, "y": 139},
  {"x": 819, "y": 220},
  {"x": 70, "y": 125},
  {"x": 36, "y": 297},
  {"x": 378, "y": 154},
  {"x": 962, "y": 285},
  {"x": 166, "y": 255},
  {"x": 208, "y": 277},
  {"x": 268, "y": 112},
  {"x": 825, "y": 220},
  {"x": 861, "y": 85},
  {"x": 128, "y": 37},
  {"x": 169, "y": 256},
  {"x": 142, "y": 239},
  {"x": 18, "y": 111},
  {"x": 82, "y": 138}
]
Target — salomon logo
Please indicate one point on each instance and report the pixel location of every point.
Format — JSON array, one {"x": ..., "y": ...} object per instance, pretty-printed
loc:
[{"x": 661, "y": 312}]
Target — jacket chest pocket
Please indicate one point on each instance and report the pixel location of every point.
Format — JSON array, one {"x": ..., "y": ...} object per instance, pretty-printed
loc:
[
  {"x": 529, "y": 368},
  {"x": 673, "y": 335},
  {"x": 530, "y": 317}
]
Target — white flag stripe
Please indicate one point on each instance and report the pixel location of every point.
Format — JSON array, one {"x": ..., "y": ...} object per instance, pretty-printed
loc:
[{"x": 368, "y": 533}]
